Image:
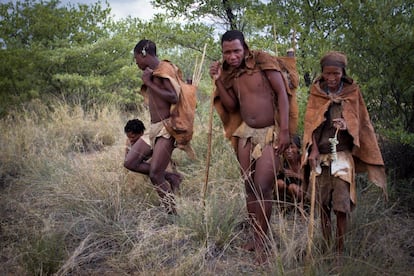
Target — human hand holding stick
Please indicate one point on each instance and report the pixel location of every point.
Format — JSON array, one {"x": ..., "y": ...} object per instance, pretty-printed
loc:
[{"x": 215, "y": 70}]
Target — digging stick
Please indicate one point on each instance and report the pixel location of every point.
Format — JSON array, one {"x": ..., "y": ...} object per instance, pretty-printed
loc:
[
  {"x": 312, "y": 215},
  {"x": 209, "y": 138}
]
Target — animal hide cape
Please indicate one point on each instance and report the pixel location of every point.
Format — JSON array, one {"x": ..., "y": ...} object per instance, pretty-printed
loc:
[
  {"x": 366, "y": 153},
  {"x": 181, "y": 122},
  {"x": 255, "y": 61}
]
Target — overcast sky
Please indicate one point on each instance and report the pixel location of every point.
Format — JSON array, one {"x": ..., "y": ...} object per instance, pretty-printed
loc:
[{"x": 120, "y": 8}]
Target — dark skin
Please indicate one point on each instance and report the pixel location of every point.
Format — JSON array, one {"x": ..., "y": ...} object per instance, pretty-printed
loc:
[
  {"x": 132, "y": 138},
  {"x": 161, "y": 96},
  {"x": 332, "y": 75},
  {"x": 252, "y": 96},
  {"x": 173, "y": 178},
  {"x": 292, "y": 156}
]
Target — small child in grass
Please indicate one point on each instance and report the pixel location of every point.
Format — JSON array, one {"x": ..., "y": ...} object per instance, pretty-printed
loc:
[{"x": 135, "y": 132}]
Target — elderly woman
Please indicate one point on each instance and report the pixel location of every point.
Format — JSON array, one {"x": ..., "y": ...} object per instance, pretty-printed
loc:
[{"x": 339, "y": 140}]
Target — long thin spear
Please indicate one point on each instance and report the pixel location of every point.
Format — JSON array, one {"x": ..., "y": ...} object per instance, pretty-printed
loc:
[
  {"x": 275, "y": 37},
  {"x": 198, "y": 68},
  {"x": 293, "y": 40},
  {"x": 312, "y": 215},
  {"x": 195, "y": 72},
  {"x": 209, "y": 138}
]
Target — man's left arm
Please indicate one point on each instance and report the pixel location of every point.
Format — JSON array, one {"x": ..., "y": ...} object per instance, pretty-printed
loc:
[{"x": 277, "y": 83}]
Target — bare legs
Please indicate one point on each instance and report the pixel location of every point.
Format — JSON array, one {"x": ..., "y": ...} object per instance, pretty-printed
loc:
[
  {"x": 165, "y": 182},
  {"x": 161, "y": 157},
  {"x": 134, "y": 161},
  {"x": 259, "y": 181},
  {"x": 341, "y": 223},
  {"x": 293, "y": 190},
  {"x": 296, "y": 191}
]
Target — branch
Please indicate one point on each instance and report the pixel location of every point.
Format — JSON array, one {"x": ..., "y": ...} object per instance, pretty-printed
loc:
[{"x": 229, "y": 14}]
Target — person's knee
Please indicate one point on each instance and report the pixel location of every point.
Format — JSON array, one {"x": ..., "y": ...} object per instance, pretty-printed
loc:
[
  {"x": 267, "y": 191},
  {"x": 280, "y": 184},
  {"x": 128, "y": 164},
  {"x": 133, "y": 162},
  {"x": 293, "y": 189}
]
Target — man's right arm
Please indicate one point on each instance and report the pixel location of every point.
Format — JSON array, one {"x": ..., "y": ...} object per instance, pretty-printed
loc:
[{"x": 227, "y": 97}]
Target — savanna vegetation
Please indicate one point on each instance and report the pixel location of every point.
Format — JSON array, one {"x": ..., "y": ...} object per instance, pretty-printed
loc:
[{"x": 68, "y": 84}]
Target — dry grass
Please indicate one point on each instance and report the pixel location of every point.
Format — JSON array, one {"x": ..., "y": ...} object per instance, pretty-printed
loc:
[{"x": 68, "y": 207}]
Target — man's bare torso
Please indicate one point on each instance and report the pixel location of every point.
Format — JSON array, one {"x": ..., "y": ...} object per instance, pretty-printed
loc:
[{"x": 255, "y": 99}]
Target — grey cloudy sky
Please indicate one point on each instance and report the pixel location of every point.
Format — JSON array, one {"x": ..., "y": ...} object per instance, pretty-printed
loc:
[
  {"x": 136, "y": 8},
  {"x": 122, "y": 8}
]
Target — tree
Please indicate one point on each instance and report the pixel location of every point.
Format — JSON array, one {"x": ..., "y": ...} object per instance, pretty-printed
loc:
[
  {"x": 34, "y": 50},
  {"x": 383, "y": 58},
  {"x": 377, "y": 37},
  {"x": 85, "y": 53},
  {"x": 230, "y": 14},
  {"x": 84, "y": 56}
]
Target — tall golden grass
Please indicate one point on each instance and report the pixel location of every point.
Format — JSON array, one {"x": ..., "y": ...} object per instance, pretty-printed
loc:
[{"x": 68, "y": 207}]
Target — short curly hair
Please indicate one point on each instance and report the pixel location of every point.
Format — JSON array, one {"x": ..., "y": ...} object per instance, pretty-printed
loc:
[{"x": 135, "y": 126}]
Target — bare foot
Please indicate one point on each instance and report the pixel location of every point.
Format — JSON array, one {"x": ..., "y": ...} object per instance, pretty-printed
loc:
[{"x": 174, "y": 179}]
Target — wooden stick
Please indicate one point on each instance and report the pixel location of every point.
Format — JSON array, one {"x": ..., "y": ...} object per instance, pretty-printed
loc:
[
  {"x": 275, "y": 37},
  {"x": 199, "y": 68},
  {"x": 312, "y": 215},
  {"x": 209, "y": 138},
  {"x": 201, "y": 64},
  {"x": 293, "y": 40},
  {"x": 195, "y": 69}
]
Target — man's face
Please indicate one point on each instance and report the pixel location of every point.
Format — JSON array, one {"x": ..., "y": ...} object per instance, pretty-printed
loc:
[
  {"x": 233, "y": 52},
  {"x": 332, "y": 75},
  {"x": 133, "y": 137},
  {"x": 140, "y": 61}
]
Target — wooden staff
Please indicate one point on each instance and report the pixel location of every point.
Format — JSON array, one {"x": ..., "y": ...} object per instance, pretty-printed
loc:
[
  {"x": 198, "y": 67},
  {"x": 209, "y": 138},
  {"x": 293, "y": 40},
  {"x": 312, "y": 214},
  {"x": 275, "y": 37}
]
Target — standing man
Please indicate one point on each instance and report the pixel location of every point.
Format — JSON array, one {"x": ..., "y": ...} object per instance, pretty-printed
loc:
[
  {"x": 250, "y": 95},
  {"x": 339, "y": 140},
  {"x": 160, "y": 95}
]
